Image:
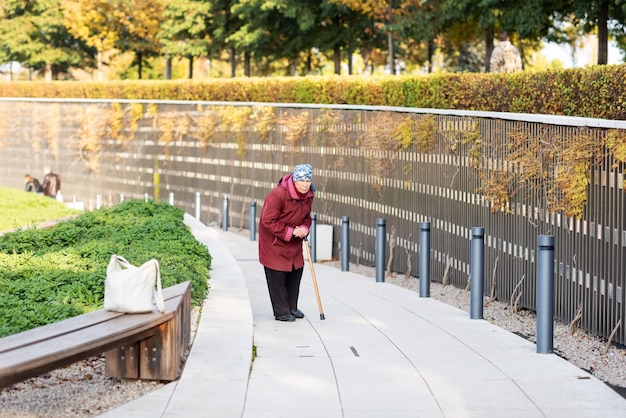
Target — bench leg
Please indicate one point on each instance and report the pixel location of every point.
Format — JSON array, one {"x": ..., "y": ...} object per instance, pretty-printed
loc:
[
  {"x": 161, "y": 354},
  {"x": 123, "y": 362},
  {"x": 160, "y": 358}
]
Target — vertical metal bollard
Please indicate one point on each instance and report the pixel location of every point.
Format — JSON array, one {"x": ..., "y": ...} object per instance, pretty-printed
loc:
[
  {"x": 98, "y": 201},
  {"x": 345, "y": 243},
  {"x": 198, "y": 205},
  {"x": 545, "y": 293},
  {"x": 122, "y": 198},
  {"x": 145, "y": 197},
  {"x": 424, "y": 269},
  {"x": 313, "y": 238},
  {"x": 225, "y": 213},
  {"x": 171, "y": 199},
  {"x": 380, "y": 249},
  {"x": 477, "y": 272},
  {"x": 252, "y": 221}
]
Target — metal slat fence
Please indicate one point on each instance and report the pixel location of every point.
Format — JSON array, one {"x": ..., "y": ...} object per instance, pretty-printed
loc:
[{"x": 515, "y": 175}]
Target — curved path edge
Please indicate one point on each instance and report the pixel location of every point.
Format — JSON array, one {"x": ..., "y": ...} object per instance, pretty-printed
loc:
[{"x": 215, "y": 376}]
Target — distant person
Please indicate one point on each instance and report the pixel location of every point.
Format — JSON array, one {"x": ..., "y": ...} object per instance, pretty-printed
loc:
[
  {"x": 505, "y": 57},
  {"x": 32, "y": 184},
  {"x": 51, "y": 183}
]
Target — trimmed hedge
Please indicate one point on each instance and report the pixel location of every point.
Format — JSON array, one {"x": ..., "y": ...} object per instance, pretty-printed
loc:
[{"x": 597, "y": 91}]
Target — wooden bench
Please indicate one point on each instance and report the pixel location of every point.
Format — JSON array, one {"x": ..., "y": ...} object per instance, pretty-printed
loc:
[{"x": 136, "y": 346}]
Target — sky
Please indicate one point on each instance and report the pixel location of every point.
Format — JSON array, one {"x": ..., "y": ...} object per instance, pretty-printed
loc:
[{"x": 586, "y": 54}]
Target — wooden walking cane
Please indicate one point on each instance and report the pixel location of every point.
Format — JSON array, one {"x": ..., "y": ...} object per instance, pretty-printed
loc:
[{"x": 317, "y": 292}]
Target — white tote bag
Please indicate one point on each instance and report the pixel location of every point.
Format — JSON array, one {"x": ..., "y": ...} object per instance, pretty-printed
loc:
[{"x": 131, "y": 289}]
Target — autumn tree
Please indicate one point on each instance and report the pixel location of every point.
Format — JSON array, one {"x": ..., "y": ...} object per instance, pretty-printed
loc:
[
  {"x": 90, "y": 21},
  {"x": 383, "y": 13},
  {"x": 138, "y": 23},
  {"x": 340, "y": 28},
  {"x": 33, "y": 33},
  {"x": 185, "y": 29},
  {"x": 419, "y": 24},
  {"x": 272, "y": 31},
  {"x": 108, "y": 25}
]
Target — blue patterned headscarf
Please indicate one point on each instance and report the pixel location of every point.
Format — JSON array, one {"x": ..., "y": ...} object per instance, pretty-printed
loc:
[{"x": 303, "y": 172}]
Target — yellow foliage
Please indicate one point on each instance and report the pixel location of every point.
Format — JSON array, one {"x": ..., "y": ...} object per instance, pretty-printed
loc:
[
  {"x": 573, "y": 180},
  {"x": 497, "y": 190},
  {"x": 403, "y": 133},
  {"x": 265, "y": 122},
  {"x": 90, "y": 134},
  {"x": 136, "y": 113},
  {"x": 207, "y": 123},
  {"x": 116, "y": 120},
  {"x": 425, "y": 133},
  {"x": 237, "y": 119},
  {"x": 545, "y": 164},
  {"x": 156, "y": 181},
  {"x": 295, "y": 125},
  {"x": 616, "y": 142}
]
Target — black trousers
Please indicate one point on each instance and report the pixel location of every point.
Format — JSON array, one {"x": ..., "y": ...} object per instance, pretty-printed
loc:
[{"x": 284, "y": 288}]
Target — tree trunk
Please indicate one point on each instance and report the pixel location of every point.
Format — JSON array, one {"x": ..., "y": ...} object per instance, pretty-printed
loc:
[
  {"x": 337, "y": 59},
  {"x": 139, "y": 64},
  {"x": 488, "y": 47},
  {"x": 309, "y": 64},
  {"x": 431, "y": 53},
  {"x": 190, "y": 75},
  {"x": 99, "y": 65},
  {"x": 366, "y": 59},
  {"x": 48, "y": 72},
  {"x": 294, "y": 67},
  {"x": 233, "y": 62},
  {"x": 603, "y": 33},
  {"x": 246, "y": 64},
  {"x": 522, "y": 53},
  {"x": 168, "y": 68},
  {"x": 350, "y": 63},
  {"x": 392, "y": 64}
]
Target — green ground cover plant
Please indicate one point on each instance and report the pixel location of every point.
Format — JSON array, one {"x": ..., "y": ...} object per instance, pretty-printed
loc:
[
  {"x": 47, "y": 275},
  {"x": 22, "y": 209}
]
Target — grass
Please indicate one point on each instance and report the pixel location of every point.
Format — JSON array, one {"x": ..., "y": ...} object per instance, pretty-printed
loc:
[{"x": 22, "y": 209}]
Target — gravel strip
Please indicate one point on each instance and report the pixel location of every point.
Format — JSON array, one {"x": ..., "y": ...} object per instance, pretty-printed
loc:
[{"x": 79, "y": 390}]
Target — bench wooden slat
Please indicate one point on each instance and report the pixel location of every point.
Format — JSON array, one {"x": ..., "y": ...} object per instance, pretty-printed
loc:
[
  {"x": 63, "y": 343},
  {"x": 66, "y": 326},
  {"x": 76, "y": 323}
]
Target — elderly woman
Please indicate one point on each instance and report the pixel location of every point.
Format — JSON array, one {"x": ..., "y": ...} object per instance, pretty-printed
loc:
[{"x": 283, "y": 225}]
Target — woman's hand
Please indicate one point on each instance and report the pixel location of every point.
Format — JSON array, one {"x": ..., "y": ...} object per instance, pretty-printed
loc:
[{"x": 300, "y": 232}]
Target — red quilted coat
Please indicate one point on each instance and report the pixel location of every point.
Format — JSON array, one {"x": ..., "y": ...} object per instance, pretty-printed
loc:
[{"x": 284, "y": 209}]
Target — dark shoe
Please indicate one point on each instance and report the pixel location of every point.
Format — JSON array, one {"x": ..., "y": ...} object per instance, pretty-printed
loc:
[
  {"x": 286, "y": 317},
  {"x": 297, "y": 313}
]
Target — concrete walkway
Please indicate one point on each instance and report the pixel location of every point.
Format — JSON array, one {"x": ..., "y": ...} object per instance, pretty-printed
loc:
[{"x": 382, "y": 351}]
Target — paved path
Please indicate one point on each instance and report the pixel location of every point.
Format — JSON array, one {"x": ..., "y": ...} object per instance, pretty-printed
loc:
[{"x": 382, "y": 351}]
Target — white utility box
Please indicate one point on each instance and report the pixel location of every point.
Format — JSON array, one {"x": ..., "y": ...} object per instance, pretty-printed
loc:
[{"x": 323, "y": 244}]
